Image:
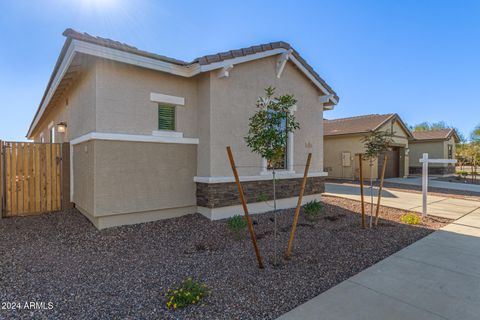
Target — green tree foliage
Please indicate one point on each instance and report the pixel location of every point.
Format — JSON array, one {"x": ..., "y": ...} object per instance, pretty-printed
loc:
[
  {"x": 270, "y": 125},
  {"x": 376, "y": 143},
  {"x": 426, "y": 126},
  {"x": 475, "y": 135}
]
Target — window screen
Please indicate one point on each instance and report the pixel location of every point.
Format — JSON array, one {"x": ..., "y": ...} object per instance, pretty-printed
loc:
[{"x": 166, "y": 117}]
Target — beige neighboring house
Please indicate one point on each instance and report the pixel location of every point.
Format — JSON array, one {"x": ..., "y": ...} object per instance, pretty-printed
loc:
[
  {"x": 439, "y": 144},
  {"x": 148, "y": 133},
  {"x": 343, "y": 142}
]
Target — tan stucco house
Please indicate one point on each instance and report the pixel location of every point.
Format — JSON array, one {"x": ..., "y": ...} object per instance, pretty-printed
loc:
[
  {"x": 148, "y": 133},
  {"x": 439, "y": 144},
  {"x": 343, "y": 142}
]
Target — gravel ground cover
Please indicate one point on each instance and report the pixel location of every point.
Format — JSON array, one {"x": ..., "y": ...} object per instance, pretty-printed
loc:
[{"x": 123, "y": 273}]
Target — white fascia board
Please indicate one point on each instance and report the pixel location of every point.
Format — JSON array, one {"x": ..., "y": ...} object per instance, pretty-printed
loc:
[
  {"x": 132, "y": 138},
  {"x": 67, "y": 60},
  {"x": 165, "y": 98},
  {"x": 234, "y": 61},
  {"x": 131, "y": 58},
  {"x": 265, "y": 176}
]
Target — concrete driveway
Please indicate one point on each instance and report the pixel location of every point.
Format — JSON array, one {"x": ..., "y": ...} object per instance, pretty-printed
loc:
[
  {"x": 441, "y": 206},
  {"x": 433, "y": 182},
  {"x": 437, "y": 277}
]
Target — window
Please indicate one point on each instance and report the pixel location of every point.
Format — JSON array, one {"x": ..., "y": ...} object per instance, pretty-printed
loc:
[
  {"x": 166, "y": 117},
  {"x": 450, "y": 151},
  {"x": 280, "y": 163},
  {"x": 52, "y": 135}
]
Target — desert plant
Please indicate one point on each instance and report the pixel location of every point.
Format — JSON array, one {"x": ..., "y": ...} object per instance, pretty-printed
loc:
[
  {"x": 410, "y": 218},
  {"x": 267, "y": 136},
  {"x": 312, "y": 210},
  {"x": 237, "y": 224},
  {"x": 188, "y": 293}
]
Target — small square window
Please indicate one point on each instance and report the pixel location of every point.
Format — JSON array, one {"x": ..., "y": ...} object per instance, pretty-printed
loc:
[{"x": 166, "y": 117}]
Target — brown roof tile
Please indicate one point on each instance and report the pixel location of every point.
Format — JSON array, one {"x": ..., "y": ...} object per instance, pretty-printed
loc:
[
  {"x": 70, "y": 33},
  {"x": 352, "y": 125},
  {"x": 440, "y": 134}
]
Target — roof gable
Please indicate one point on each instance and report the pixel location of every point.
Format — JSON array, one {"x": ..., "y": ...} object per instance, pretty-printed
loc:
[
  {"x": 109, "y": 49},
  {"x": 355, "y": 125},
  {"x": 439, "y": 134},
  {"x": 362, "y": 124}
]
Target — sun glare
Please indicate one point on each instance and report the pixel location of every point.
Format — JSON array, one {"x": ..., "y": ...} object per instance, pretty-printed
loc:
[{"x": 99, "y": 4}]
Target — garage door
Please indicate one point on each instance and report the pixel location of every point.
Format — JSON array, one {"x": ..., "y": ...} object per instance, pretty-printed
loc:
[{"x": 393, "y": 163}]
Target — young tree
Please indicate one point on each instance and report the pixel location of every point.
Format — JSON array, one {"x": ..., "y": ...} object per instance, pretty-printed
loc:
[
  {"x": 268, "y": 133},
  {"x": 376, "y": 143}
]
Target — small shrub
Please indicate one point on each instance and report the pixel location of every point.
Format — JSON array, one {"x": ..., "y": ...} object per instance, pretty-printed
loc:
[
  {"x": 190, "y": 292},
  {"x": 237, "y": 224},
  {"x": 312, "y": 210},
  {"x": 410, "y": 218},
  {"x": 262, "y": 197}
]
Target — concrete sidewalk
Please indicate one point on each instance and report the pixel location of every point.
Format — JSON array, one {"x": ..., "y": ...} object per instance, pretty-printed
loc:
[
  {"x": 437, "y": 277},
  {"x": 441, "y": 206},
  {"x": 434, "y": 183}
]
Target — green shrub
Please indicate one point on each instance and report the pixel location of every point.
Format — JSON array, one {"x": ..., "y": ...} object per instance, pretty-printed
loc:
[
  {"x": 462, "y": 173},
  {"x": 410, "y": 218},
  {"x": 237, "y": 224},
  {"x": 262, "y": 197},
  {"x": 312, "y": 210},
  {"x": 190, "y": 292}
]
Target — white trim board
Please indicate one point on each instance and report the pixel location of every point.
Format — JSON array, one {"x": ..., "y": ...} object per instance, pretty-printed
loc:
[
  {"x": 253, "y": 208},
  {"x": 264, "y": 176},
  {"x": 165, "y": 98},
  {"x": 132, "y": 138}
]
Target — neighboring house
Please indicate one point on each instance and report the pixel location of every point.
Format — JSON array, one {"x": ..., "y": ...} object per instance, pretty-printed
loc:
[
  {"x": 343, "y": 142},
  {"x": 148, "y": 133},
  {"x": 439, "y": 144}
]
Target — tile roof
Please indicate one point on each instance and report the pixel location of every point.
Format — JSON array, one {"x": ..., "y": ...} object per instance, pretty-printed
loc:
[
  {"x": 352, "y": 125},
  {"x": 440, "y": 134},
  {"x": 204, "y": 60}
]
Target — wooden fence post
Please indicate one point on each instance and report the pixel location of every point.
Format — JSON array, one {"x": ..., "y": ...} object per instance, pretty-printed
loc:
[
  {"x": 245, "y": 208},
  {"x": 360, "y": 158},
  {"x": 299, "y": 205},
  {"x": 380, "y": 189}
]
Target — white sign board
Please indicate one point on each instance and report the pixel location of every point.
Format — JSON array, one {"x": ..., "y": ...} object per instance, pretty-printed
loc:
[{"x": 425, "y": 161}]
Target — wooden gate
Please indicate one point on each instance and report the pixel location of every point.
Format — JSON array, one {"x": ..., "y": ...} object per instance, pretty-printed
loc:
[{"x": 32, "y": 178}]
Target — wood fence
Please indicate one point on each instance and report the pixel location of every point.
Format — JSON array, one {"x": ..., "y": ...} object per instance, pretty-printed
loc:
[{"x": 32, "y": 178}]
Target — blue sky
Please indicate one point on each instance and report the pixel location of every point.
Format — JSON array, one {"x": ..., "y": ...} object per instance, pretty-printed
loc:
[{"x": 419, "y": 58}]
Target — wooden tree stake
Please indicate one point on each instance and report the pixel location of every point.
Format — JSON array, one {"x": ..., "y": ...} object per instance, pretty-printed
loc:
[
  {"x": 380, "y": 189},
  {"x": 361, "y": 189},
  {"x": 299, "y": 205},
  {"x": 245, "y": 208}
]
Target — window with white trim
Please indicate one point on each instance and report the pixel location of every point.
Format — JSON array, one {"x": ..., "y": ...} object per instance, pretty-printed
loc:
[
  {"x": 166, "y": 117},
  {"x": 281, "y": 161}
]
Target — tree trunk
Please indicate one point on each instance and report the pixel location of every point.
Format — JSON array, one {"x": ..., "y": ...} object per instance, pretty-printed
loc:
[
  {"x": 274, "y": 219},
  {"x": 371, "y": 194},
  {"x": 361, "y": 190}
]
